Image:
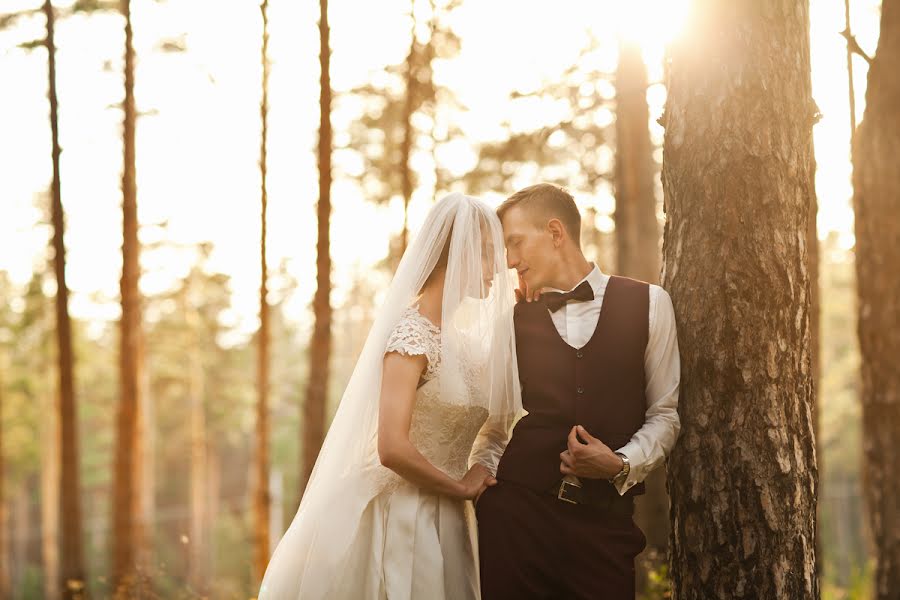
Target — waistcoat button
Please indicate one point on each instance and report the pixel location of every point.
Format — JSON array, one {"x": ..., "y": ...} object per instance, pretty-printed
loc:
[{"x": 580, "y": 390}]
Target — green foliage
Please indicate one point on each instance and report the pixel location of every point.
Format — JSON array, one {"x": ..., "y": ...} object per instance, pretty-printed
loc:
[
  {"x": 659, "y": 584},
  {"x": 861, "y": 585}
]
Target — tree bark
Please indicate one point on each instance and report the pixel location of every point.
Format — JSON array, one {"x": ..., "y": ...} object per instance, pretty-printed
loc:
[
  {"x": 68, "y": 501},
  {"x": 876, "y": 201},
  {"x": 815, "y": 351},
  {"x": 320, "y": 345},
  {"x": 126, "y": 525},
  {"x": 637, "y": 231},
  {"x": 261, "y": 504},
  {"x": 736, "y": 175}
]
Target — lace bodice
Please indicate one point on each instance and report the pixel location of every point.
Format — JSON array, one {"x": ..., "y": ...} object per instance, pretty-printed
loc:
[{"x": 441, "y": 430}]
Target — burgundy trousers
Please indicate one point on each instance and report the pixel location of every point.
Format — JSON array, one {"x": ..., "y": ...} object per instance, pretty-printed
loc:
[{"x": 536, "y": 546}]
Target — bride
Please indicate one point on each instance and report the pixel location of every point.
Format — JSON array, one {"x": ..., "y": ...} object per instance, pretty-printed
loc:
[{"x": 419, "y": 430}]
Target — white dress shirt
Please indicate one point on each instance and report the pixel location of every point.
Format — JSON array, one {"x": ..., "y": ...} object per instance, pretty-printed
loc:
[{"x": 649, "y": 446}]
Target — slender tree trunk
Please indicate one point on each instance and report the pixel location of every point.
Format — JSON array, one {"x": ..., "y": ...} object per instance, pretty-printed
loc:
[
  {"x": 50, "y": 495},
  {"x": 126, "y": 525},
  {"x": 320, "y": 346},
  {"x": 21, "y": 524},
  {"x": 198, "y": 550},
  {"x": 261, "y": 503},
  {"x": 213, "y": 494},
  {"x": 637, "y": 231},
  {"x": 851, "y": 92},
  {"x": 876, "y": 201},
  {"x": 736, "y": 175},
  {"x": 638, "y": 256},
  {"x": 68, "y": 501},
  {"x": 406, "y": 178},
  {"x": 5, "y": 587}
]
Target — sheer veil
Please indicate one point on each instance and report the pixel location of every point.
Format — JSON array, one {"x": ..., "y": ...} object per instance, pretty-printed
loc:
[{"x": 478, "y": 368}]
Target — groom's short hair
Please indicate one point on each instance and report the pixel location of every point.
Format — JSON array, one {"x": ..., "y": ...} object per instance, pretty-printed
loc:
[{"x": 545, "y": 201}]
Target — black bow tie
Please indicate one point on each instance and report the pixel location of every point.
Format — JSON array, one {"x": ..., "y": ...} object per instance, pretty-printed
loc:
[{"x": 556, "y": 300}]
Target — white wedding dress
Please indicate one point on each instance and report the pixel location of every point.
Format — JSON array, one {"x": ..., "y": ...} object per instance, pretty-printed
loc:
[{"x": 410, "y": 543}]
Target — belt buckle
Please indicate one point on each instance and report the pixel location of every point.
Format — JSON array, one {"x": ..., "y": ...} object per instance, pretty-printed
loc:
[{"x": 562, "y": 494}]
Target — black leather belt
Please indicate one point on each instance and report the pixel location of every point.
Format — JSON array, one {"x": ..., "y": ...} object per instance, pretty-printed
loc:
[{"x": 611, "y": 503}]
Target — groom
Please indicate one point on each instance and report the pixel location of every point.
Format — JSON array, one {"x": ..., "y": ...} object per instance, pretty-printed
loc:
[{"x": 599, "y": 368}]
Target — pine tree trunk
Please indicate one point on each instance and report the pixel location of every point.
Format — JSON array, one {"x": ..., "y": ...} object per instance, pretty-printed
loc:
[
  {"x": 736, "y": 175},
  {"x": 320, "y": 346},
  {"x": 50, "y": 498},
  {"x": 126, "y": 525},
  {"x": 214, "y": 485},
  {"x": 68, "y": 501},
  {"x": 20, "y": 533},
  {"x": 876, "y": 201},
  {"x": 5, "y": 587},
  {"x": 637, "y": 231},
  {"x": 198, "y": 549},
  {"x": 261, "y": 503},
  {"x": 406, "y": 182},
  {"x": 638, "y": 256}
]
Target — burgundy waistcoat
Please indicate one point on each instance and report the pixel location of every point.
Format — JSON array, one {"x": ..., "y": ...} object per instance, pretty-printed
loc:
[{"x": 600, "y": 386}]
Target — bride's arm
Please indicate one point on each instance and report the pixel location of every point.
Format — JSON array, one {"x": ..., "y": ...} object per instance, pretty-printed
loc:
[{"x": 396, "y": 451}]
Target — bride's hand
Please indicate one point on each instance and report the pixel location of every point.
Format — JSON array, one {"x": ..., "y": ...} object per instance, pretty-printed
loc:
[{"x": 476, "y": 481}]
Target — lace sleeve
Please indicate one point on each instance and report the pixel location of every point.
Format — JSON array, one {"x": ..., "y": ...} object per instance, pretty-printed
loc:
[{"x": 415, "y": 335}]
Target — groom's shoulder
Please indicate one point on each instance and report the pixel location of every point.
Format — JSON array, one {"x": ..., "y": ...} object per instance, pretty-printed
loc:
[
  {"x": 655, "y": 293},
  {"x": 631, "y": 283}
]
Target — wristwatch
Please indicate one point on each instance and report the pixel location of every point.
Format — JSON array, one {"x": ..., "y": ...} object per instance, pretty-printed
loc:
[{"x": 626, "y": 467}]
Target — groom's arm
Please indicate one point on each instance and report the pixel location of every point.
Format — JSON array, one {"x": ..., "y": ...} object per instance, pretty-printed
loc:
[{"x": 649, "y": 447}]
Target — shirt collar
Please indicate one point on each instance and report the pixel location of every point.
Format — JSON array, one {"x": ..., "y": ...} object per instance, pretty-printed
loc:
[{"x": 595, "y": 278}]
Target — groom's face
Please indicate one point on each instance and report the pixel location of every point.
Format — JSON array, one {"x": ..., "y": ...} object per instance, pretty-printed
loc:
[{"x": 529, "y": 248}]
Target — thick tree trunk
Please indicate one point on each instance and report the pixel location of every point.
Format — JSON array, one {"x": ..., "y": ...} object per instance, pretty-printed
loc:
[
  {"x": 68, "y": 501},
  {"x": 261, "y": 503},
  {"x": 320, "y": 346},
  {"x": 736, "y": 176},
  {"x": 637, "y": 231},
  {"x": 126, "y": 525},
  {"x": 876, "y": 201}
]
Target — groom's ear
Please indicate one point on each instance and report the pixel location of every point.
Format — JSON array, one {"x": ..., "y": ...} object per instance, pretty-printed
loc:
[{"x": 557, "y": 231}]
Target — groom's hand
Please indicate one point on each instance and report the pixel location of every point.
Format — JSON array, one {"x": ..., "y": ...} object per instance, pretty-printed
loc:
[{"x": 590, "y": 458}]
